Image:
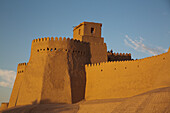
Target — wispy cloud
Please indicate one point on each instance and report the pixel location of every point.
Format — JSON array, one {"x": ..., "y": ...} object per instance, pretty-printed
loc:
[
  {"x": 140, "y": 46},
  {"x": 7, "y": 78}
]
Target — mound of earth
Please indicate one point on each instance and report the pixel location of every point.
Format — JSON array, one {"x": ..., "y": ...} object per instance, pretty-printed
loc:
[{"x": 155, "y": 101}]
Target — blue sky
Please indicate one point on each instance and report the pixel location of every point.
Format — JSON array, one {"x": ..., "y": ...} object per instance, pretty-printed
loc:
[{"x": 141, "y": 28}]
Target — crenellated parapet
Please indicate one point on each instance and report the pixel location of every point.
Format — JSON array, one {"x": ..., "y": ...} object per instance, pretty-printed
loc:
[
  {"x": 42, "y": 46},
  {"x": 22, "y": 64},
  {"x": 21, "y": 67},
  {"x": 56, "y": 39},
  {"x": 155, "y": 58},
  {"x": 118, "y": 56}
]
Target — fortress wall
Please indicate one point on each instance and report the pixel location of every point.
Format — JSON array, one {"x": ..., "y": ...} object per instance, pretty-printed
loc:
[
  {"x": 47, "y": 78},
  {"x": 56, "y": 81},
  {"x": 127, "y": 78},
  {"x": 18, "y": 82},
  {"x": 63, "y": 81},
  {"x": 98, "y": 52}
]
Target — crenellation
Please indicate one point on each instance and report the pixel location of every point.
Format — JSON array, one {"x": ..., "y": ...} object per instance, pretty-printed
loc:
[
  {"x": 64, "y": 39},
  {"x": 45, "y": 39},
  {"x": 56, "y": 38},
  {"x": 22, "y": 64},
  {"x": 52, "y": 39},
  {"x": 42, "y": 39},
  {"x": 60, "y": 39},
  {"x": 48, "y": 38}
]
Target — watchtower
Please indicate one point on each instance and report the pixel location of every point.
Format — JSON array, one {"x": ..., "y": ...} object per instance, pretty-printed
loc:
[{"x": 91, "y": 32}]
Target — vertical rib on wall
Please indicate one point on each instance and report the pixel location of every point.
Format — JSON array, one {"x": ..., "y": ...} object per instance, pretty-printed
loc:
[{"x": 127, "y": 78}]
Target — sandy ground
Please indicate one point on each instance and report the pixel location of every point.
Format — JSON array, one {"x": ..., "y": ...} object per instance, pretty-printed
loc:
[{"x": 155, "y": 101}]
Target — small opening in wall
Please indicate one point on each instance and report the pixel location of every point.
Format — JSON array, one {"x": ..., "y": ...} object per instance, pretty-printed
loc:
[
  {"x": 101, "y": 69},
  {"x": 43, "y": 49},
  {"x": 47, "y": 49},
  {"x": 51, "y": 49},
  {"x": 66, "y": 50},
  {"x": 55, "y": 49},
  {"x": 22, "y": 71},
  {"x": 163, "y": 58},
  {"x": 114, "y": 68},
  {"x": 92, "y": 30},
  {"x": 37, "y": 50},
  {"x": 125, "y": 67},
  {"x": 79, "y": 31},
  {"x": 40, "y": 49},
  {"x": 138, "y": 66}
]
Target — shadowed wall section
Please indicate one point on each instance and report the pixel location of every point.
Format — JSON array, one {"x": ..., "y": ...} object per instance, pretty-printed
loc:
[{"x": 127, "y": 78}]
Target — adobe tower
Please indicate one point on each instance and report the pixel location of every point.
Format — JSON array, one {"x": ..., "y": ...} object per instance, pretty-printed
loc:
[
  {"x": 91, "y": 32},
  {"x": 55, "y": 72}
]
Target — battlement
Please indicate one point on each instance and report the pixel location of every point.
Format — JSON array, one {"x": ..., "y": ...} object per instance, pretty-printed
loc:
[
  {"x": 162, "y": 57},
  {"x": 58, "y": 39},
  {"x": 22, "y": 64},
  {"x": 21, "y": 67},
  {"x": 119, "y": 54}
]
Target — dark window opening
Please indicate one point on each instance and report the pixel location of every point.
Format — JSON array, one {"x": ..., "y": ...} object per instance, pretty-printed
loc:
[
  {"x": 92, "y": 30},
  {"x": 51, "y": 49},
  {"x": 115, "y": 68},
  {"x": 55, "y": 49},
  {"x": 47, "y": 49},
  {"x": 163, "y": 58},
  {"x": 101, "y": 69},
  {"x": 37, "y": 50},
  {"x": 43, "y": 49},
  {"x": 125, "y": 67},
  {"x": 79, "y": 31}
]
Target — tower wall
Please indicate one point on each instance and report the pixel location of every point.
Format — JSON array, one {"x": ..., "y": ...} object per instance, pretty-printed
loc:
[
  {"x": 91, "y": 32},
  {"x": 55, "y": 72},
  {"x": 18, "y": 82},
  {"x": 127, "y": 78}
]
